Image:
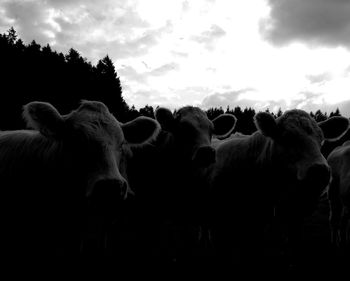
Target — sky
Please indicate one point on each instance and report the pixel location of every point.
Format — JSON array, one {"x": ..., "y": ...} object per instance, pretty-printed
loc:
[{"x": 208, "y": 53}]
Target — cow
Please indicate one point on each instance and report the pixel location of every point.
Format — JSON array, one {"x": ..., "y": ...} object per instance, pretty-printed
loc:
[
  {"x": 339, "y": 195},
  {"x": 165, "y": 190},
  {"x": 329, "y": 146},
  {"x": 278, "y": 170},
  {"x": 61, "y": 169}
]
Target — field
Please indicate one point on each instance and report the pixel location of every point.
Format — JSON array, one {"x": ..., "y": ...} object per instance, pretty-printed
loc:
[{"x": 156, "y": 248}]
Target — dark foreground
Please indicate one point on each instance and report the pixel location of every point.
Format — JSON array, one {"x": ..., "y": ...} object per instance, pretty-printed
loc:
[{"x": 137, "y": 249}]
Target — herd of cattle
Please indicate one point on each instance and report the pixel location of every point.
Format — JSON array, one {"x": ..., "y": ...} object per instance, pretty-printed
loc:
[{"x": 173, "y": 187}]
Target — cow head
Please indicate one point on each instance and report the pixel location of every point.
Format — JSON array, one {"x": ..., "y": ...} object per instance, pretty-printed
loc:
[
  {"x": 296, "y": 149},
  {"x": 95, "y": 146},
  {"x": 192, "y": 132}
]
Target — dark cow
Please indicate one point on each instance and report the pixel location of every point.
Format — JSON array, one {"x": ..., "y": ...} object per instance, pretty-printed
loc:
[
  {"x": 339, "y": 195},
  {"x": 277, "y": 170},
  {"x": 51, "y": 175},
  {"x": 166, "y": 192},
  {"x": 329, "y": 146}
]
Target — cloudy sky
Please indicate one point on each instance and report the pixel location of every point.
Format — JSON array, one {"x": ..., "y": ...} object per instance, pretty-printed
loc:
[{"x": 258, "y": 53}]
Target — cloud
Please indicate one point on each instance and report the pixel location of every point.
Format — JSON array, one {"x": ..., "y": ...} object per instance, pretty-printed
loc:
[
  {"x": 30, "y": 20},
  {"x": 320, "y": 78},
  {"x": 209, "y": 37},
  {"x": 118, "y": 41},
  {"x": 315, "y": 22},
  {"x": 308, "y": 101},
  {"x": 230, "y": 98},
  {"x": 127, "y": 72},
  {"x": 347, "y": 71},
  {"x": 145, "y": 96},
  {"x": 185, "y": 6},
  {"x": 179, "y": 54},
  {"x": 344, "y": 108},
  {"x": 164, "y": 69},
  {"x": 95, "y": 28}
]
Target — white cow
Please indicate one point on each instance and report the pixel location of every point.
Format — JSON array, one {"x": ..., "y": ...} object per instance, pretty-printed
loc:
[
  {"x": 278, "y": 169},
  {"x": 167, "y": 195},
  {"x": 65, "y": 164}
]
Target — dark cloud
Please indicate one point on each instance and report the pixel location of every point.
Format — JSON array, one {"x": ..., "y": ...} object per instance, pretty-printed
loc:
[
  {"x": 29, "y": 19},
  {"x": 61, "y": 3},
  {"x": 95, "y": 28},
  {"x": 4, "y": 21},
  {"x": 209, "y": 37},
  {"x": 316, "y": 22},
  {"x": 120, "y": 48}
]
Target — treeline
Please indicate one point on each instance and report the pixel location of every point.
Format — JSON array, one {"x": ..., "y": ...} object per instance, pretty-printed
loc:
[{"x": 32, "y": 72}]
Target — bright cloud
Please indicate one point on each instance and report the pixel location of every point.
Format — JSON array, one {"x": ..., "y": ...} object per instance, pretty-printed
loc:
[{"x": 258, "y": 53}]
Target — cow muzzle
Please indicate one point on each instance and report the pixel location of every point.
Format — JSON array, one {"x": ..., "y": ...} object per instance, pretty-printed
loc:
[
  {"x": 316, "y": 179},
  {"x": 107, "y": 193},
  {"x": 204, "y": 156},
  {"x": 319, "y": 175}
]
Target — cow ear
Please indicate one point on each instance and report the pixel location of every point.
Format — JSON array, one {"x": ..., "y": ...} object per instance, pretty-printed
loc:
[
  {"x": 266, "y": 124},
  {"x": 94, "y": 106},
  {"x": 43, "y": 117},
  {"x": 224, "y": 125},
  {"x": 334, "y": 128},
  {"x": 165, "y": 118},
  {"x": 140, "y": 130}
]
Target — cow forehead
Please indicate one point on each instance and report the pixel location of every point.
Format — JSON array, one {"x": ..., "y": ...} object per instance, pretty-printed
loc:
[
  {"x": 193, "y": 115},
  {"x": 97, "y": 125},
  {"x": 299, "y": 123}
]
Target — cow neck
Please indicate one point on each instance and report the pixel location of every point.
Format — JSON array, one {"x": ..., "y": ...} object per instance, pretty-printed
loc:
[
  {"x": 165, "y": 142},
  {"x": 261, "y": 148},
  {"x": 36, "y": 146},
  {"x": 265, "y": 164}
]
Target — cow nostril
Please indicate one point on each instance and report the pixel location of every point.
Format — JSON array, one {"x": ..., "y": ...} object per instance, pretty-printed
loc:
[
  {"x": 106, "y": 196},
  {"x": 204, "y": 156}
]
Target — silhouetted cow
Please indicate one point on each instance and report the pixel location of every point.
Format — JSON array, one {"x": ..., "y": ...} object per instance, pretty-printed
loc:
[
  {"x": 278, "y": 169},
  {"x": 166, "y": 192},
  {"x": 51, "y": 175},
  {"x": 329, "y": 146},
  {"x": 339, "y": 195}
]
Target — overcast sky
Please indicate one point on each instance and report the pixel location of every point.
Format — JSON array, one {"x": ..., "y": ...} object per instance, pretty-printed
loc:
[{"x": 258, "y": 53}]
